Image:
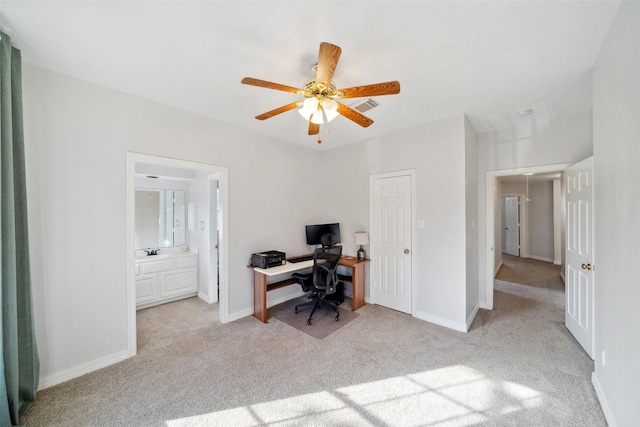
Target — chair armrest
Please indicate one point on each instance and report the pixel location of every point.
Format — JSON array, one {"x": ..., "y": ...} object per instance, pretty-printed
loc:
[{"x": 303, "y": 280}]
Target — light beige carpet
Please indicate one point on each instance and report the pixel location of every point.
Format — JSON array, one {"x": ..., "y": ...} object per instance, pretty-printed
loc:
[
  {"x": 517, "y": 366},
  {"x": 323, "y": 322}
]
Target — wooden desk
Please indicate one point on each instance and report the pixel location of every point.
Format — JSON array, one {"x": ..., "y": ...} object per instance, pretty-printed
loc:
[{"x": 261, "y": 287}]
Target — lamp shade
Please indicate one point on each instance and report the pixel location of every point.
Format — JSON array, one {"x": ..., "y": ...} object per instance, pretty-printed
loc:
[{"x": 361, "y": 238}]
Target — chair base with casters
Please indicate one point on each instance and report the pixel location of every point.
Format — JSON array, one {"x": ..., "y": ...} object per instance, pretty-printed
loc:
[{"x": 318, "y": 301}]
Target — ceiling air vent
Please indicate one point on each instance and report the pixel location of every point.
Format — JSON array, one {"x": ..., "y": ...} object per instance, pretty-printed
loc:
[{"x": 365, "y": 106}]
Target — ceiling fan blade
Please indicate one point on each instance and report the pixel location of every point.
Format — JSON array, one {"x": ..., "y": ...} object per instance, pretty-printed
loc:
[
  {"x": 327, "y": 62},
  {"x": 269, "y": 85},
  {"x": 377, "y": 89},
  {"x": 277, "y": 111},
  {"x": 354, "y": 115},
  {"x": 314, "y": 129}
]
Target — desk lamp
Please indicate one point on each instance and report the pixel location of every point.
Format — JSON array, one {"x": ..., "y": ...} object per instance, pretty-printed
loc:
[{"x": 361, "y": 238}]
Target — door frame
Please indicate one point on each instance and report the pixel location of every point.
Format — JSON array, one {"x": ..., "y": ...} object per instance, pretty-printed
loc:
[
  {"x": 219, "y": 173},
  {"x": 412, "y": 177},
  {"x": 489, "y": 220}
]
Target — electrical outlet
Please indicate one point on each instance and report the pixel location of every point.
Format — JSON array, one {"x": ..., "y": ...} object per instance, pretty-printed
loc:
[
  {"x": 602, "y": 357},
  {"x": 441, "y": 297}
]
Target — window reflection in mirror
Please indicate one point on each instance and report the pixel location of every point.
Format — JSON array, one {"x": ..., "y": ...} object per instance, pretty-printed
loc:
[{"x": 160, "y": 218}]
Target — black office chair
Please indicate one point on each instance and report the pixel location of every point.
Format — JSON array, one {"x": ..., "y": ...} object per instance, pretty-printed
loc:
[{"x": 323, "y": 281}]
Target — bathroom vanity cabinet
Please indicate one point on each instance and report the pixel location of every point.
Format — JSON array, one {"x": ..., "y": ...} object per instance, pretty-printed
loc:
[{"x": 165, "y": 278}]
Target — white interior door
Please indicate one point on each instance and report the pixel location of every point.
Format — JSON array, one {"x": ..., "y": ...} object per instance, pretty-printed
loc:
[
  {"x": 391, "y": 242},
  {"x": 579, "y": 258},
  {"x": 511, "y": 225}
]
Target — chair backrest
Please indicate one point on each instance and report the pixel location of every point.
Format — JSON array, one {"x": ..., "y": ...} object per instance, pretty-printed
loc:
[
  {"x": 325, "y": 269},
  {"x": 328, "y": 240}
]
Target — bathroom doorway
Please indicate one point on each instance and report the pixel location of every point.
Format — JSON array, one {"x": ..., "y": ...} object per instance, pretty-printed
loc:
[{"x": 207, "y": 203}]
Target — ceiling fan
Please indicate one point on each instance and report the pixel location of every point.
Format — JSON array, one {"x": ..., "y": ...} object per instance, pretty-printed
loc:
[{"x": 320, "y": 105}]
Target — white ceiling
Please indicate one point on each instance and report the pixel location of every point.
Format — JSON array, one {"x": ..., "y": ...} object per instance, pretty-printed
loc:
[{"x": 486, "y": 59}]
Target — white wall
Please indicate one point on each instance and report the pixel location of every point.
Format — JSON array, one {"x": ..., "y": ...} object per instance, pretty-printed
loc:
[
  {"x": 540, "y": 224},
  {"x": 76, "y": 136},
  {"x": 200, "y": 238},
  {"x": 436, "y": 151},
  {"x": 471, "y": 220},
  {"x": 497, "y": 192},
  {"x": 616, "y": 136}
]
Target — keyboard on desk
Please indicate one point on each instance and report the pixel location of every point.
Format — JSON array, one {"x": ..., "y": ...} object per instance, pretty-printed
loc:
[{"x": 301, "y": 258}]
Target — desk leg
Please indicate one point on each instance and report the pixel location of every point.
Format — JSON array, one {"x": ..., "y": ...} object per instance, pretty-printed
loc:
[
  {"x": 260, "y": 296},
  {"x": 358, "y": 286}
]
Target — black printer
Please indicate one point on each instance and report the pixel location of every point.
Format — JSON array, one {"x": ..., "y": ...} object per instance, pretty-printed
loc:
[{"x": 268, "y": 259}]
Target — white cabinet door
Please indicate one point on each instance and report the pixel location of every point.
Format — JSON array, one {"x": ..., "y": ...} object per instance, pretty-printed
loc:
[
  {"x": 147, "y": 288},
  {"x": 166, "y": 279},
  {"x": 178, "y": 282}
]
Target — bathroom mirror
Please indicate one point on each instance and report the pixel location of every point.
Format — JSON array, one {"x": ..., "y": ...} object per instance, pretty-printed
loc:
[{"x": 160, "y": 218}]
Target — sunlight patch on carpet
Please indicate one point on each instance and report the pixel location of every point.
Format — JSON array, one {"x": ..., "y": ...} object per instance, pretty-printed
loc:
[{"x": 451, "y": 396}]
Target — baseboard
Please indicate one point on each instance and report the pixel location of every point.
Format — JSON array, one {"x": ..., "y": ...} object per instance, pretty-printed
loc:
[
  {"x": 460, "y": 327},
  {"x": 240, "y": 314},
  {"x": 539, "y": 258},
  {"x": 484, "y": 305},
  {"x": 204, "y": 297},
  {"x": 82, "y": 369},
  {"x": 472, "y": 316},
  {"x": 604, "y": 403},
  {"x": 495, "y": 272}
]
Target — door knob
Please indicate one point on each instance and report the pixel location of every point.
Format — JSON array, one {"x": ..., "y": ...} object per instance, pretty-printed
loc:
[
  {"x": 406, "y": 251},
  {"x": 586, "y": 266}
]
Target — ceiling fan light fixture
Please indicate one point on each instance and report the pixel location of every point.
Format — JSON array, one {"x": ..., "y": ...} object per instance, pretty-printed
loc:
[
  {"x": 330, "y": 108},
  {"x": 320, "y": 93},
  {"x": 315, "y": 110},
  {"x": 309, "y": 109}
]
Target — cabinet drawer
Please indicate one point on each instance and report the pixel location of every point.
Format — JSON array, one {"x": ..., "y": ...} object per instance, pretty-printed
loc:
[
  {"x": 186, "y": 261},
  {"x": 155, "y": 266}
]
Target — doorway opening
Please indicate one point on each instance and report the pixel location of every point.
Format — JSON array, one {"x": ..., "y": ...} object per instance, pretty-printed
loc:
[
  {"x": 207, "y": 212},
  {"x": 493, "y": 227}
]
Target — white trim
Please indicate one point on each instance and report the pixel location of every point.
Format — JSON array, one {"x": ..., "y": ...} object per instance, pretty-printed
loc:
[
  {"x": 471, "y": 317},
  {"x": 540, "y": 258},
  {"x": 456, "y": 326},
  {"x": 489, "y": 221},
  {"x": 82, "y": 369},
  {"x": 497, "y": 270},
  {"x": 604, "y": 402},
  {"x": 237, "y": 315},
  {"x": 221, "y": 173},
  {"x": 412, "y": 175}
]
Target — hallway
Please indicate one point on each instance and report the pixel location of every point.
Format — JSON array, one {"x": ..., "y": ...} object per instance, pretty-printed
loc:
[{"x": 530, "y": 272}]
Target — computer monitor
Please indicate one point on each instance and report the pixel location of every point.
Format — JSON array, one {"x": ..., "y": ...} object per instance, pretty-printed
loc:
[{"x": 315, "y": 232}]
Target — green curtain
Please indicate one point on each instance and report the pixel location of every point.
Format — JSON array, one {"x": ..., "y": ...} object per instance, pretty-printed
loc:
[{"x": 19, "y": 363}]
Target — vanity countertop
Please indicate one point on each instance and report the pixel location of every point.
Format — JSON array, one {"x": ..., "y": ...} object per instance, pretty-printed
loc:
[{"x": 145, "y": 258}]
